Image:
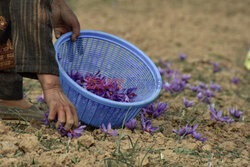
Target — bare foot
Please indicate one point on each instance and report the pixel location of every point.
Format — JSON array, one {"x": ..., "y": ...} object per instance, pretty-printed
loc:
[
  {"x": 16, "y": 103},
  {"x": 58, "y": 102}
]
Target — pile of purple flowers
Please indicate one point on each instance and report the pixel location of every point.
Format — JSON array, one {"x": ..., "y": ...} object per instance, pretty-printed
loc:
[
  {"x": 103, "y": 86},
  {"x": 190, "y": 130}
]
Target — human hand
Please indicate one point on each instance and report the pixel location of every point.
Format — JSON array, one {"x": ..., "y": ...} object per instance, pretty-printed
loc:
[
  {"x": 64, "y": 20},
  {"x": 58, "y": 102}
]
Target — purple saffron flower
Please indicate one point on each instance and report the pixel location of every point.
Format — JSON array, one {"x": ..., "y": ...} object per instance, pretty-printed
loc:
[
  {"x": 25, "y": 96},
  {"x": 176, "y": 85},
  {"x": 206, "y": 100},
  {"x": 198, "y": 136},
  {"x": 77, "y": 77},
  {"x": 155, "y": 111},
  {"x": 131, "y": 94},
  {"x": 182, "y": 56},
  {"x": 234, "y": 112},
  {"x": 216, "y": 115},
  {"x": 216, "y": 67},
  {"x": 162, "y": 71},
  {"x": 186, "y": 77},
  {"x": 146, "y": 125},
  {"x": 108, "y": 130},
  {"x": 235, "y": 81},
  {"x": 62, "y": 130},
  {"x": 45, "y": 119},
  {"x": 76, "y": 132},
  {"x": 40, "y": 99},
  {"x": 200, "y": 95},
  {"x": 131, "y": 124},
  {"x": 215, "y": 87},
  {"x": 186, "y": 131},
  {"x": 72, "y": 133},
  {"x": 209, "y": 93},
  {"x": 187, "y": 103},
  {"x": 203, "y": 85},
  {"x": 195, "y": 88},
  {"x": 167, "y": 87}
]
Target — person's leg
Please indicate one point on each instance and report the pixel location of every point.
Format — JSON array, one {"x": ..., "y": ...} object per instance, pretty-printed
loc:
[
  {"x": 35, "y": 55},
  {"x": 11, "y": 83},
  {"x": 10, "y": 86}
]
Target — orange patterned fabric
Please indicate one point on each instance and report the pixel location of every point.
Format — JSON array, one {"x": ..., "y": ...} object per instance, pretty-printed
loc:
[{"x": 7, "y": 59}]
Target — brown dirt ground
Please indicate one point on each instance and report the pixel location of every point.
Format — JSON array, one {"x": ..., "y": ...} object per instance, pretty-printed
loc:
[{"x": 206, "y": 31}]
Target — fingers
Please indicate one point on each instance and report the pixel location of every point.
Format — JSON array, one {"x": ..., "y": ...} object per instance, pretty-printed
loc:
[
  {"x": 52, "y": 114},
  {"x": 57, "y": 34},
  {"x": 75, "y": 117},
  {"x": 61, "y": 117},
  {"x": 69, "y": 118},
  {"x": 75, "y": 29}
]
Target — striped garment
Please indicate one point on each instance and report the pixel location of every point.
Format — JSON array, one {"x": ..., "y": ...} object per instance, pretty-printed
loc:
[{"x": 27, "y": 24}]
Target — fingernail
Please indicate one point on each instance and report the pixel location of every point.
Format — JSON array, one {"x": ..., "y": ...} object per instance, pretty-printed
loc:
[{"x": 73, "y": 38}]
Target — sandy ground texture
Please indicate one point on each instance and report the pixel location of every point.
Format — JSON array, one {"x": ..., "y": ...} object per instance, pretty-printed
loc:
[{"x": 207, "y": 31}]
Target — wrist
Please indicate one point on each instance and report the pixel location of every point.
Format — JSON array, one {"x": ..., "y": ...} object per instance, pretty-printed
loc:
[
  {"x": 49, "y": 81},
  {"x": 57, "y": 3}
]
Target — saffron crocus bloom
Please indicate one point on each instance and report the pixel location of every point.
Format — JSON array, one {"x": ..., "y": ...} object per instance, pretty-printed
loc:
[
  {"x": 167, "y": 87},
  {"x": 40, "y": 99},
  {"x": 182, "y": 56},
  {"x": 186, "y": 131},
  {"x": 162, "y": 71},
  {"x": 206, "y": 100},
  {"x": 203, "y": 85},
  {"x": 235, "y": 81},
  {"x": 176, "y": 85},
  {"x": 216, "y": 67},
  {"x": 198, "y": 136},
  {"x": 108, "y": 130},
  {"x": 131, "y": 124},
  {"x": 187, "y": 103},
  {"x": 186, "y": 77},
  {"x": 215, "y": 87},
  {"x": 160, "y": 109},
  {"x": 147, "y": 125},
  {"x": 76, "y": 132},
  {"x": 216, "y": 115},
  {"x": 45, "y": 119},
  {"x": 155, "y": 111},
  {"x": 234, "y": 112},
  {"x": 200, "y": 95},
  {"x": 209, "y": 93},
  {"x": 131, "y": 94},
  {"x": 195, "y": 88}
]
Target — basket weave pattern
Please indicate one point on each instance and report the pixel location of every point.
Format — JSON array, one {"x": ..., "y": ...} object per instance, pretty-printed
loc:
[{"x": 116, "y": 59}]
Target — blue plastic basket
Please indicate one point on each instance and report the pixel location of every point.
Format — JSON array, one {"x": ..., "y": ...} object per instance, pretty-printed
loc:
[{"x": 115, "y": 58}]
